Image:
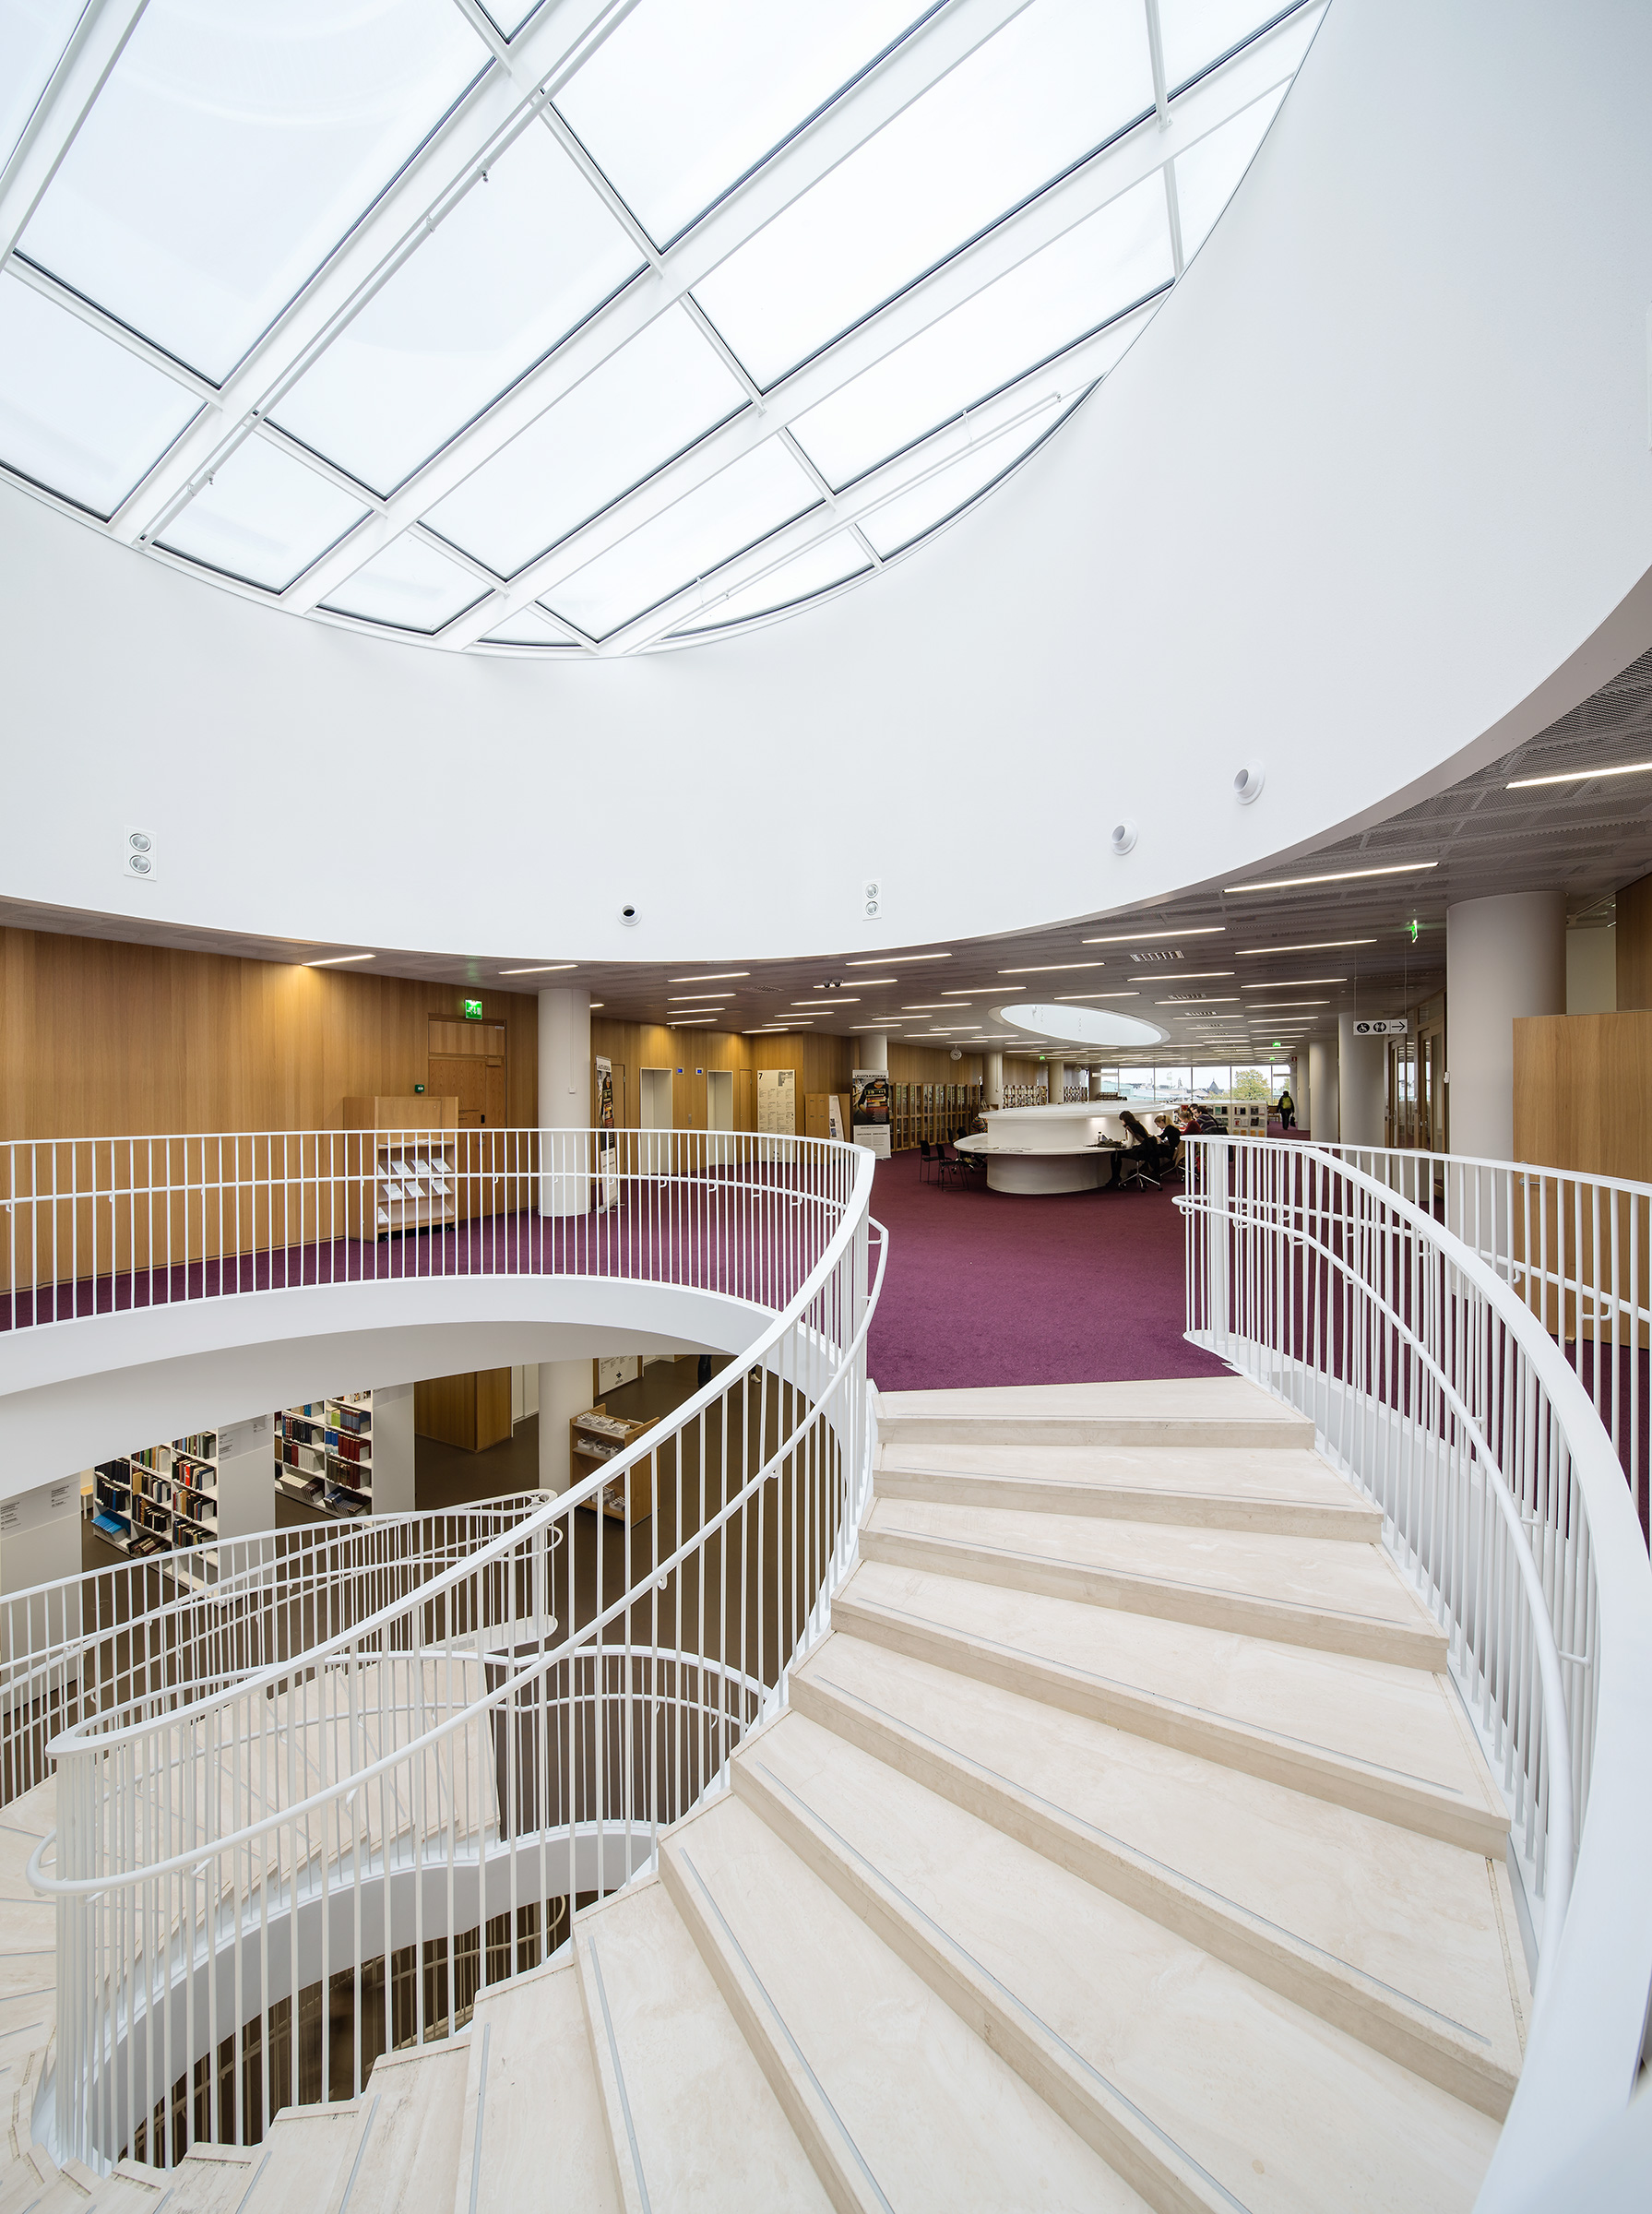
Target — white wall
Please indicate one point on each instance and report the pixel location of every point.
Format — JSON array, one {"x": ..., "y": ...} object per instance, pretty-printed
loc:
[
  {"x": 1401, "y": 394},
  {"x": 393, "y": 1448},
  {"x": 1592, "y": 971},
  {"x": 39, "y": 1535}
]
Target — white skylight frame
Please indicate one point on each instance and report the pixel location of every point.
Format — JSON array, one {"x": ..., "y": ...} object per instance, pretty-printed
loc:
[{"x": 521, "y": 78}]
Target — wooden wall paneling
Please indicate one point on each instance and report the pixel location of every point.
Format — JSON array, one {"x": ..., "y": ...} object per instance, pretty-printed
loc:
[
  {"x": 1583, "y": 1102},
  {"x": 444, "y": 1409},
  {"x": 1635, "y": 945}
]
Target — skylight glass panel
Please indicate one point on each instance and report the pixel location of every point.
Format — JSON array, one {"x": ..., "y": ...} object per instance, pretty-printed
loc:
[
  {"x": 833, "y": 561},
  {"x": 905, "y": 518},
  {"x": 461, "y": 321},
  {"x": 263, "y": 516},
  {"x": 1196, "y": 32},
  {"x": 679, "y": 102},
  {"x": 529, "y": 627},
  {"x": 408, "y": 584},
  {"x": 644, "y": 404},
  {"x": 1101, "y": 267},
  {"x": 77, "y": 413},
  {"x": 1048, "y": 89},
  {"x": 33, "y": 34},
  {"x": 235, "y": 145},
  {"x": 707, "y": 526},
  {"x": 1207, "y": 174}
]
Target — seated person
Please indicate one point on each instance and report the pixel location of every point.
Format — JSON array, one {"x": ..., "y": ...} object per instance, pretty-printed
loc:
[
  {"x": 1141, "y": 1146},
  {"x": 1169, "y": 1141}
]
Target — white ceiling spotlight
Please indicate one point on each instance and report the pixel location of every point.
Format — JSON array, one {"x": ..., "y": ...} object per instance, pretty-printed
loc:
[
  {"x": 1248, "y": 783},
  {"x": 1123, "y": 837}
]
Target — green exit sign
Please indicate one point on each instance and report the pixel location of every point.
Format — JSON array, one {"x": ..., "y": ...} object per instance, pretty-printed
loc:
[{"x": 473, "y": 1010}]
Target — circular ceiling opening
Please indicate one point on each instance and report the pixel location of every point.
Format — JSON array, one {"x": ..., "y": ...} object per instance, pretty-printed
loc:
[{"x": 1081, "y": 1026}]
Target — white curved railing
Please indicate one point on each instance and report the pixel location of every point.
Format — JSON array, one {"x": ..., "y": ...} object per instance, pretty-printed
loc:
[
  {"x": 1437, "y": 1387},
  {"x": 1577, "y": 1249},
  {"x": 97, "y": 1226},
  {"x": 367, "y": 1824}
]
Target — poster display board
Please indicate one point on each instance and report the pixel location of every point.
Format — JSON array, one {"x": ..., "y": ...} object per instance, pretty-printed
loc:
[
  {"x": 776, "y": 1103},
  {"x": 607, "y": 1159},
  {"x": 869, "y": 1110}
]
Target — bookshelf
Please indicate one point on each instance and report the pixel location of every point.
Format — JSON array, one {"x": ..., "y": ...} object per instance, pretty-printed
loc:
[
  {"x": 402, "y": 1168},
  {"x": 324, "y": 1454},
  {"x": 596, "y": 1436},
  {"x": 160, "y": 1498}
]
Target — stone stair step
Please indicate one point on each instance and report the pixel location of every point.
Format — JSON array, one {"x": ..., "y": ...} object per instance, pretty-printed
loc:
[
  {"x": 1255, "y": 1873},
  {"x": 532, "y": 2106},
  {"x": 130, "y": 2190},
  {"x": 1298, "y": 1591},
  {"x": 406, "y": 2157},
  {"x": 214, "y": 2179},
  {"x": 1189, "y": 2077},
  {"x": 691, "y": 2122},
  {"x": 1193, "y": 1411},
  {"x": 312, "y": 2152},
  {"x": 1389, "y": 1742},
  {"x": 916, "y": 2109},
  {"x": 1285, "y": 1494},
  {"x": 28, "y": 2173}
]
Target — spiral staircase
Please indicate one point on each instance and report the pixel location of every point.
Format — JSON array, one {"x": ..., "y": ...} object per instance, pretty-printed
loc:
[{"x": 1126, "y": 1842}]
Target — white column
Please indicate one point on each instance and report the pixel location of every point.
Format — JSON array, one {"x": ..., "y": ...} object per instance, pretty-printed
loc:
[
  {"x": 1504, "y": 958},
  {"x": 1055, "y": 1078},
  {"x": 1324, "y": 1090},
  {"x": 564, "y": 1098},
  {"x": 246, "y": 1494},
  {"x": 564, "y": 1391},
  {"x": 1363, "y": 1076},
  {"x": 992, "y": 1079},
  {"x": 872, "y": 1052},
  {"x": 393, "y": 1449},
  {"x": 1302, "y": 1090}
]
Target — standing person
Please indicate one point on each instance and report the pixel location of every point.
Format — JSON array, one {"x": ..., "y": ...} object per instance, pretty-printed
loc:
[{"x": 1287, "y": 1110}]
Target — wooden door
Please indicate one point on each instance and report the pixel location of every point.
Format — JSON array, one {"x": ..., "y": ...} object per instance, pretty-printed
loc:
[{"x": 477, "y": 1085}]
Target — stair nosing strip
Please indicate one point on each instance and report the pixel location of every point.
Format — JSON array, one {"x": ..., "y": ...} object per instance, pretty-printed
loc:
[
  {"x": 1168, "y": 1583},
  {"x": 360, "y": 2153},
  {"x": 257, "y": 2177},
  {"x": 781, "y": 2024},
  {"x": 482, "y": 2108},
  {"x": 1163, "y": 1698},
  {"x": 1136, "y": 1853},
  {"x": 946, "y": 1939},
  {"x": 619, "y": 2076}
]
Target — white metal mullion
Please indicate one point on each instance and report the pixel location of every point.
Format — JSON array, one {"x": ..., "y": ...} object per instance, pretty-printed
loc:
[
  {"x": 95, "y": 45},
  {"x": 807, "y": 530},
  {"x": 1162, "y": 98},
  {"x": 62, "y": 295},
  {"x": 1115, "y": 170},
  {"x": 1172, "y": 208},
  {"x": 295, "y": 450},
  {"x": 866, "y": 546},
  {"x": 457, "y": 555},
  {"x": 934, "y": 49},
  {"x": 492, "y": 117}
]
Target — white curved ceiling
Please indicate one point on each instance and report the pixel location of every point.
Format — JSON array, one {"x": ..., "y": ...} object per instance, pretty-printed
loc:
[{"x": 583, "y": 327}]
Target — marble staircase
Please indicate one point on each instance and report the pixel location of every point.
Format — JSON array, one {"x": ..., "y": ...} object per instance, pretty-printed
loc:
[{"x": 1125, "y": 1844}]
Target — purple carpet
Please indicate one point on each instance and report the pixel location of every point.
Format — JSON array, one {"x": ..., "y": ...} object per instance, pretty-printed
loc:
[{"x": 989, "y": 1288}]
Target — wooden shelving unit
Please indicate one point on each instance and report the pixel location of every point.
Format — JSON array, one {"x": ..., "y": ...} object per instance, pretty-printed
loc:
[
  {"x": 324, "y": 1454},
  {"x": 596, "y": 1436},
  {"x": 402, "y": 1168},
  {"x": 160, "y": 1498}
]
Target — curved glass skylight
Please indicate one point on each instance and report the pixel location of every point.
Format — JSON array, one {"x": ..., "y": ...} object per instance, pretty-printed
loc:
[{"x": 595, "y": 325}]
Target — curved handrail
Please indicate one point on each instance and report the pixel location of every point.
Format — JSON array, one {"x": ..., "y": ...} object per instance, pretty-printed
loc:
[
  {"x": 462, "y": 1709},
  {"x": 579, "y": 1642},
  {"x": 1594, "y": 1965}
]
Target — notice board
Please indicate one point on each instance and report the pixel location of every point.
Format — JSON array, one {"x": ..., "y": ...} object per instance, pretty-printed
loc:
[{"x": 776, "y": 1103}]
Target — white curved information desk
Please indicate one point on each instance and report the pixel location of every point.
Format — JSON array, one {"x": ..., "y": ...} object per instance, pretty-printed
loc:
[{"x": 1064, "y": 1148}]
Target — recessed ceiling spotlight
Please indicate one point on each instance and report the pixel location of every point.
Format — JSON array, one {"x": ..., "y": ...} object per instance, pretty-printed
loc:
[{"x": 1290, "y": 884}]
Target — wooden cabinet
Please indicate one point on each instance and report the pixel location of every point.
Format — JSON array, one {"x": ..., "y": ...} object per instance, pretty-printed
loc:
[
  {"x": 401, "y": 1171},
  {"x": 471, "y": 1410},
  {"x": 596, "y": 1436}
]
